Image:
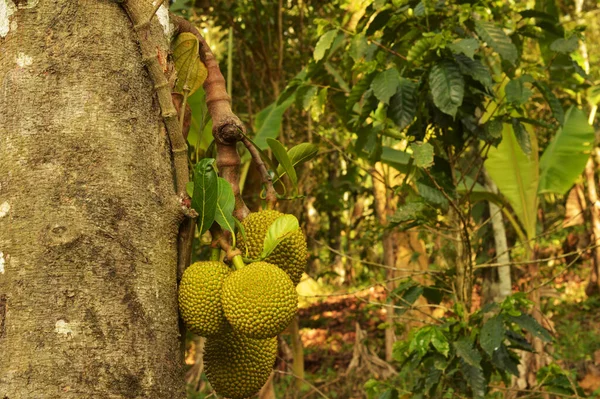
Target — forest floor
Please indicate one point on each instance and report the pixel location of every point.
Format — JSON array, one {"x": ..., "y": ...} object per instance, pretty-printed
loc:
[{"x": 329, "y": 335}]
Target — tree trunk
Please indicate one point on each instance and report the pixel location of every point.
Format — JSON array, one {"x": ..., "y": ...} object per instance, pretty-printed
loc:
[
  {"x": 89, "y": 217},
  {"x": 500, "y": 285}
]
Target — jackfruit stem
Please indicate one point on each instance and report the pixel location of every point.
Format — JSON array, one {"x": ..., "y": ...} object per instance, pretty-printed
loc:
[
  {"x": 238, "y": 262},
  {"x": 215, "y": 254}
]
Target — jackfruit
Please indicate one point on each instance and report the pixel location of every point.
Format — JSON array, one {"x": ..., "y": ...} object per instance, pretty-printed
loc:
[
  {"x": 200, "y": 297},
  {"x": 259, "y": 300},
  {"x": 238, "y": 366},
  {"x": 290, "y": 255}
]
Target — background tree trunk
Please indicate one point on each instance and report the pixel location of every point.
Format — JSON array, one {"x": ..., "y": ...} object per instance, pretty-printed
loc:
[{"x": 88, "y": 230}]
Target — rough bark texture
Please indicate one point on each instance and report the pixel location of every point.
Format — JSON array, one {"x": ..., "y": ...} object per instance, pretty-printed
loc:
[{"x": 88, "y": 241}]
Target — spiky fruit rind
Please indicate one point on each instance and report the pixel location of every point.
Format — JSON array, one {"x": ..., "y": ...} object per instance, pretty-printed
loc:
[
  {"x": 290, "y": 255},
  {"x": 238, "y": 366},
  {"x": 200, "y": 297},
  {"x": 259, "y": 300}
]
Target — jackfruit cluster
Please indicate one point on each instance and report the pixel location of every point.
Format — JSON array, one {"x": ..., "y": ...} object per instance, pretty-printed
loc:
[
  {"x": 290, "y": 255},
  {"x": 241, "y": 312},
  {"x": 259, "y": 300},
  {"x": 238, "y": 366},
  {"x": 200, "y": 297}
]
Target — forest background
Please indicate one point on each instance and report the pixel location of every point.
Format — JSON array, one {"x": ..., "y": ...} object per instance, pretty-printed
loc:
[{"x": 451, "y": 203}]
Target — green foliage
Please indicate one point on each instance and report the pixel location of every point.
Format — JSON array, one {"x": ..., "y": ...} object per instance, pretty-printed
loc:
[
  {"x": 464, "y": 353},
  {"x": 205, "y": 193}
]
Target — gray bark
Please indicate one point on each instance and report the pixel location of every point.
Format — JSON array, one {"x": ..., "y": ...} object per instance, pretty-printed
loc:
[
  {"x": 501, "y": 286},
  {"x": 88, "y": 212}
]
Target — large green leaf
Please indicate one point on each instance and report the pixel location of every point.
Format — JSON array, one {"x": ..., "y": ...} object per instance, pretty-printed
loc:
[
  {"x": 447, "y": 87},
  {"x": 385, "y": 84},
  {"x": 495, "y": 37},
  {"x": 299, "y": 154},
  {"x": 282, "y": 156},
  {"x": 492, "y": 334},
  {"x": 516, "y": 176},
  {"x": 475, "y": 69},
  {"x": 281, "y": 228},
  {"x": 191, "y": 71},
  {"x": 225, "y": 206},
  {"x": 324, "y": 44},
  {"x": 403, "y": 104},
  {"x": 204, "y": 200},
  {"x": 566, "y": 155},
  {"x": 268, "y": 122}
]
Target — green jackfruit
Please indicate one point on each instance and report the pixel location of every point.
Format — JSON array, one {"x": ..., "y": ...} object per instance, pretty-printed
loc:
[
  {"x": 200, "y": 297},
  {"x": 290, "y": 255},
  {"x": 259, "y": 300},
  {"x": 238, "y": 366}
]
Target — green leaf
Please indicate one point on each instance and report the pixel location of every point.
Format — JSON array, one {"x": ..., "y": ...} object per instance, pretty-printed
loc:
[
  {"x": 358, "y": 47},
  {"x": 391, "y": 393},
  {"x": 284, "y": 160},
  {"x": 205, "y": 193},
  {"x": 225, "y": 205},
  {"x": 522, "y": 136},
  {"x": 337, "y": 77},
  {"x": 516, "y": 176},
  {"x": 307, "y": 96},
  {"x": 440, "y": 342},
  {"x": 503, "y": 360},
  {"x": 191, "y": 72},
  {"x": 420, "y": 48},
  {"x": 422, "y": 154},
  {"x": 408, "y": 212},
  {"x": 465, "y": 46},
  {"x": 464, "y": 350},
  {"x": 385, "y": 84},
  {"x": 557, "y": 110},
  {"x": 593, "y": 95},
  {"x": 475, "y": 378},
  {"x": 281, "y": 228},
  {"x": 299, "y": 154},
  {"x": 565, "y": 46},
  {"x": 528, "y": 323},
  {"x": 358, "y": 90},
  {"x": 447, "y": 87},
  {"x": 516, "y": 91},
  {"x": 403, "y": 104},
  {"x": 492, "y": 334},
  {"x": 268, "y": 121},
  {"x": 495, "y": 37},
  {"x": 324, "y": 44},
  {"x": 475, "y": 69},
  {"x": 565, "y": 157},
  {"x": 421, "y": 340}
]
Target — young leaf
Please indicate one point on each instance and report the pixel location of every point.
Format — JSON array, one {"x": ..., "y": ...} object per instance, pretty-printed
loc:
[
  {"x": 284, "y": 160},
  {"x": 278, "y": 231},
  {"x": 225, "y": 206},
  {"x": 205, "y": 193},
  {"x": 385, "y": 84},
  {"x": 440, "y": 342},
  {"x": 447, "y": 87},
  {"x": 403, "y": 104},
  {"x": 191, "y": 72},
  {"x": 492, "y": 334},
  {"x": 418, "y": 50},
  {"x": 324, "y": 44},
  {"x": 495, "y": 37},
  {"x": 299, "y": 154}
]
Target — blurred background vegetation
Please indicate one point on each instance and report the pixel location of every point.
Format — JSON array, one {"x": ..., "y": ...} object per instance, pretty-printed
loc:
[{"x": 451, "y": 212}]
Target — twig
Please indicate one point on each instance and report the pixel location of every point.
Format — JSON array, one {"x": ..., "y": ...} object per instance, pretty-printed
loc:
[{"x": 267, "y": 180}]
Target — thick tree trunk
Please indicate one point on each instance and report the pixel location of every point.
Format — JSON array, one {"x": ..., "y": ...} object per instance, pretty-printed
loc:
[{"x": 89, "y": 216}]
